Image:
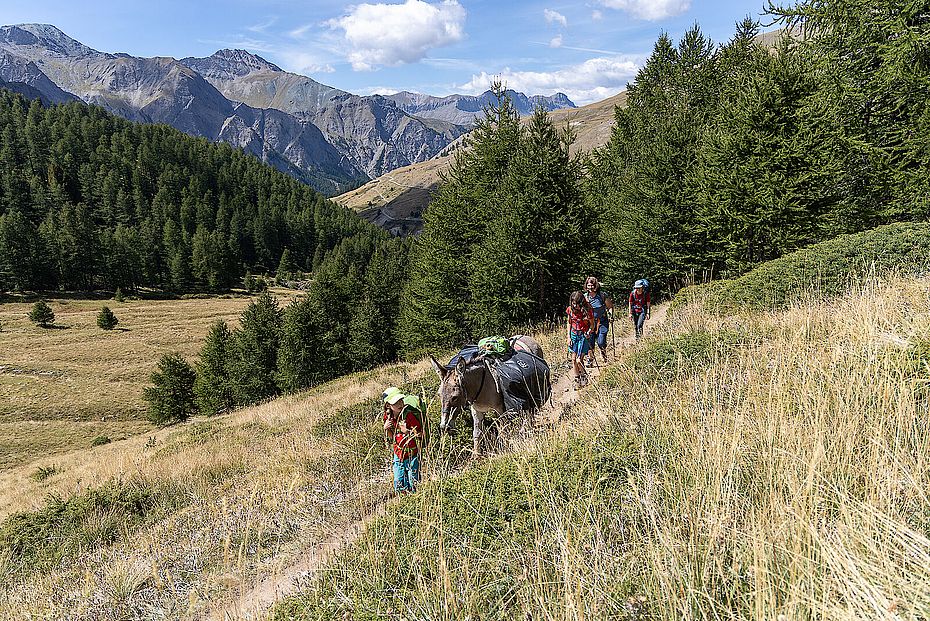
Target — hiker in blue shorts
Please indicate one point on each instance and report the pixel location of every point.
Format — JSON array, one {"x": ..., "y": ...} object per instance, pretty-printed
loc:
[
  {"x": 600, "y": 303},
  {"x": 580, "y": 329}
]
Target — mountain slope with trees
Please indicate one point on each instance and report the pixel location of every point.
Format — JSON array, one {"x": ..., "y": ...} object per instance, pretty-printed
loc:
[{"x": 89, "y": 200}]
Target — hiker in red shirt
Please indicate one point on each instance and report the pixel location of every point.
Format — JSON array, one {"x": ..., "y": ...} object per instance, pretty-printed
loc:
[
  {"x": 404, "y": 431},
  {"x": 640, "y": 306},
  {"x": 580, "y": 329}
]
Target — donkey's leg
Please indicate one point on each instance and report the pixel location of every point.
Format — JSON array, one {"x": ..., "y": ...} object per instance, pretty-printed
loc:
[{"x": 478, "y": 430}]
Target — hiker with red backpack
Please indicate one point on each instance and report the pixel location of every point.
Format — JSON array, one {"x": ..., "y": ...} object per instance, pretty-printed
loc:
[
  {"x": 640, "y": 305},
  {"x": 601, "y": 303},
  {"x": 580, "y": 330},
  {"x": 403, "y": 431}
]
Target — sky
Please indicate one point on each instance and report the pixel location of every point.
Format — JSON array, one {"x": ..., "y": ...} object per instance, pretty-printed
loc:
[{"x": 587, "y": 49}]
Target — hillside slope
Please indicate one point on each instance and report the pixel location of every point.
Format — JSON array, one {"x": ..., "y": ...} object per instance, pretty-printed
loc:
[
  {"x": 396, "y": 200},
  {"x": 770, "y": 466},
  {"x": 742, "y": 466}
]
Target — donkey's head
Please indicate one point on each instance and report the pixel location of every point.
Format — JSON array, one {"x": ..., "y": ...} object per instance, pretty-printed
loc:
[{"x": 451, "y": 392}]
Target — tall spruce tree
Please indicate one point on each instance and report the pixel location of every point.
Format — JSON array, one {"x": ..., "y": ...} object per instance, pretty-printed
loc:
[
  {"x": 255, "y": 351},
  {"x": 213, "y": 390}
]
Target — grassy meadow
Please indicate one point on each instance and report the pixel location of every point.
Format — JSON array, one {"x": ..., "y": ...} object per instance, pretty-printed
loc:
[
  {"x": 64, "y": 386},
  {"x": 756, "y": 465}
]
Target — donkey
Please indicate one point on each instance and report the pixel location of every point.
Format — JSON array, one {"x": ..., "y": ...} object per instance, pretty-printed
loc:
[{"x": 474, "y": 384}]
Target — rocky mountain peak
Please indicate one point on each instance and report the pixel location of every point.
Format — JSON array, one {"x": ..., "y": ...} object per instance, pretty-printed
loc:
[
  {"x": 229, "y": 64},
  {"x": 45, "y": 36}
]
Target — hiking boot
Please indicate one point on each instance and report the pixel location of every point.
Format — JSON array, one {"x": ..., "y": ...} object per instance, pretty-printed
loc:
[{"x": 604, "y": 355}]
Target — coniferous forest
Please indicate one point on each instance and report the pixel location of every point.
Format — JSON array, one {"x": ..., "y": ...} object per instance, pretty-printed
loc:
[{"x": 725, "y": 156}]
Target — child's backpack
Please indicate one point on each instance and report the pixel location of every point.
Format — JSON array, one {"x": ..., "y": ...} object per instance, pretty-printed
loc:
[{"x": 415, "y": 405}]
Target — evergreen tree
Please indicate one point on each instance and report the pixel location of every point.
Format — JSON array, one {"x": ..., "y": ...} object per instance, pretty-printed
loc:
[
  {"x": 213, "y": 391},
  {"x": 286, "y": 267},
  {"x": 106, "y": 320},
  {"x": 41, "y": 314},
  {"x": 171, "y": 397},
  {"x": 255, "y": 351},
  {"x": 301, "y": 355}
]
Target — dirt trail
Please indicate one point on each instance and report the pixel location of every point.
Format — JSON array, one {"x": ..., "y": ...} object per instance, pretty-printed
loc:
[
  {"x": 255, "y": 602},
  {"x": 564, "y": 393}
]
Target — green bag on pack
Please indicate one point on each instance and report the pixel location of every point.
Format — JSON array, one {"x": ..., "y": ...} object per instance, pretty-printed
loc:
[{"x": 495, "y": 345}]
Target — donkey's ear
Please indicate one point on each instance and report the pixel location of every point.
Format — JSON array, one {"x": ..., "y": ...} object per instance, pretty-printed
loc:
[{"x": 440, "y": 370}]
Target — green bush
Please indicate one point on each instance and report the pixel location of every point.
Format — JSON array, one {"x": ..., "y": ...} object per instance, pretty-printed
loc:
[
  {"x": 100, "y": 441},
  {"x": 106, "y": 320},
  {"x": 171, "y": 398},
  {"x": 41, "y": 314},
  {"x": 44, "y": 472},
  {"x": 823, "y": 270},
  {"x": 65, "y": 528}
]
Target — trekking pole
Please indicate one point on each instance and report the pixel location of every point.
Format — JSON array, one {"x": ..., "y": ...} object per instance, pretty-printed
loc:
[{"x": 613, "y": 339}]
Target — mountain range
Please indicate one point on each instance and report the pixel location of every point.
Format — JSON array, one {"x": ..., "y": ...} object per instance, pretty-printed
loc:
[{"x": 326, "y": 137}]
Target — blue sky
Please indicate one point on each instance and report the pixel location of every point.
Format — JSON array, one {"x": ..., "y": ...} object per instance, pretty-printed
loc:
[{"x": 588, "y": 49}]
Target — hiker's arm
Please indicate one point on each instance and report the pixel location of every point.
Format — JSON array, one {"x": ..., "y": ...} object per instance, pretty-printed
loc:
[
  {"x": 630, "y": 307},
  {"x": 389, "y": 426}
]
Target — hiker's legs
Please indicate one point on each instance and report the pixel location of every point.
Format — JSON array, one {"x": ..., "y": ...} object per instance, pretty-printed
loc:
[
  {"x": 602, "y": 340},
  {"x": 412, "y": 468},
  {"x": 400, "y": 475},
  {"x": 638, "y": 320}
]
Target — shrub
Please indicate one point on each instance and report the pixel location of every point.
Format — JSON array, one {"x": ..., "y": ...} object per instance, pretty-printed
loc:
[
  {"x": 100, "y": 441},
  {"x": 171, "y": 398},
  {"x": 44, "y": 472},
  {"x": 118, "y": 295},
  {"x": 41, "y": 314},
  {"x": 819, "y": 271},
  {"x": 67, "y": 527},
  {"x": 106, "y": 320}
]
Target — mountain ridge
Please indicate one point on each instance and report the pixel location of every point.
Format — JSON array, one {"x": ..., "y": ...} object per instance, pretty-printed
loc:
[{"x": 320, "y": 134}]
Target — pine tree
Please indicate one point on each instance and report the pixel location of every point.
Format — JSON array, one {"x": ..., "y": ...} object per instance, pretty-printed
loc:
[
  {"x": 213, "y": 391},
  {"x": 41, "y": 314},
  {"x": 106, "y": 320},
  {"x": 171, "y": 397},
  {"x": 255, "y": 351},
  {"x": 301, "y": 358},
  {"x": 286, "y": 267}
]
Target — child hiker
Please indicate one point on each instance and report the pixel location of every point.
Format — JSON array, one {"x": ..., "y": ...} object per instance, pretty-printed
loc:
[
  {"x": 580, "y": 329},
  {"x": 403, "y": 431}
]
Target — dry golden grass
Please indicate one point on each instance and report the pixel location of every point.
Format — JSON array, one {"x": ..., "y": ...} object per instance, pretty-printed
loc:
[
  {"x": 62, "y": 387},
  {"x": 784, "y": 476},
  {"x": 260, "y": 490}
]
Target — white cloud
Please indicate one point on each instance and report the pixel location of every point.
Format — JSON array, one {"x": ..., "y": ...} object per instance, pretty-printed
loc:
[
  {"x": 556, "y": 41},
  {"x": 396, "y": 34},
  {"x": 554, "y": 17},
  {"x": 303, "y": 63},
  {"x": 651, "y": 10},
  {"x": 593, "y": 80},
  {"x": 261, "y": 27},
  {"x": 597, "y": 15},
  {"x": 299, "y": 33}
]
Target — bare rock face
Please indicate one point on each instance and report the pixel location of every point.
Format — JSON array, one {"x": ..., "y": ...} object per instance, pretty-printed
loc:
[
  {"x": 232, "y": 96},
  {"x": 372, "y": 132}
]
